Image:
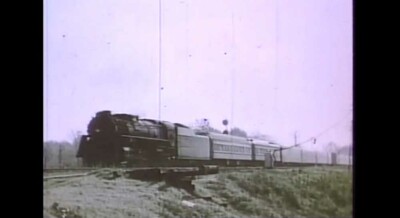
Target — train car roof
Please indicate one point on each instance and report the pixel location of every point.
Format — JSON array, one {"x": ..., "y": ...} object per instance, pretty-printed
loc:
[
  {"x": 227, "y": 137},
  {"x": 263, "y": 142},
  {"x": 181, "y": 125}
]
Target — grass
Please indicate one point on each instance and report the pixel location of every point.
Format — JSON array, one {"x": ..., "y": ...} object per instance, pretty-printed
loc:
[{"x": 312, "y": 192}]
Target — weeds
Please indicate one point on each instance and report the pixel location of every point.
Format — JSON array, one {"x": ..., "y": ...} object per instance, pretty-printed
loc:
[
  {"x": 309, "y": 192},
  {"x": 313, "y": 192}
]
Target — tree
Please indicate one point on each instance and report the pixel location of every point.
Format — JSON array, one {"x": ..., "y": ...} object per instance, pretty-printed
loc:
[
  {"x": 346, "y": 150},
  {"x": 59, "y": 154},
  {"x": 332, "y": 147},
  {"x": 47, "y": 154},
  {"x": 238, "y": 132},
  {"x": 212, "y": 129},
  {"x": 76, "y": 139},
  {"x": 204, "y": 125}
]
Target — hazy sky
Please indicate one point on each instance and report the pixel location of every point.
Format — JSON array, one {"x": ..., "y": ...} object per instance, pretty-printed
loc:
[{"x": 287, "y": 64}]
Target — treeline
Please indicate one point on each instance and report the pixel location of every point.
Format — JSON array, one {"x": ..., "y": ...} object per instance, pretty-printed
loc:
[{"x": 60, "y": 155}]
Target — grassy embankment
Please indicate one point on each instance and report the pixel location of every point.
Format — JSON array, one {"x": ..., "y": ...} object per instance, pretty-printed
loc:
[{"x": 311, "y": 192}]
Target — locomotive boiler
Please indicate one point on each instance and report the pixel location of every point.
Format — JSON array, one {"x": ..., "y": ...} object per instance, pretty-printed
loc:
[{"x": 117, "y": 138}]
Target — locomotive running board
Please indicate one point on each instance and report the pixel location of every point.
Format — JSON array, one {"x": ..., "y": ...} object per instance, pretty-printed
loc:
[{"x": 145, "y": 138}]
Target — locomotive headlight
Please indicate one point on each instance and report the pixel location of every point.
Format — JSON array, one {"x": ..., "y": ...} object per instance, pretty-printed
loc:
[
  {"x": 97, "y": 130},
  {"x": 126, "y": 149}
]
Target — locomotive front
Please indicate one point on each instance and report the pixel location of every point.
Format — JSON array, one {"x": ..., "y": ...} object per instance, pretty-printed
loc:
[{"x": 122, "y": 138}]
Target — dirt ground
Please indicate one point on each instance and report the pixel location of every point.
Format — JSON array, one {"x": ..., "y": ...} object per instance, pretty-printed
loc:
[{"x": 314, "y": 192}]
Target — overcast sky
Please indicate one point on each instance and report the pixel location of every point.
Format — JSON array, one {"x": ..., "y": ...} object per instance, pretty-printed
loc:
[{"x": 268, "y": 66}]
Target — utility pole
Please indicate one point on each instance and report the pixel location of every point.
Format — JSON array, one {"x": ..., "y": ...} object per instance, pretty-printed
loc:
[
  {"x": 233, "y": 56},
  {"x": 160, "y": 61},
  {"x": 295, "y": 144}
]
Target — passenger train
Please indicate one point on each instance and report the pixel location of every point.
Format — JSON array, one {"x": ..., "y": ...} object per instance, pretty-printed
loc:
[{"x": 126, "y": 140}]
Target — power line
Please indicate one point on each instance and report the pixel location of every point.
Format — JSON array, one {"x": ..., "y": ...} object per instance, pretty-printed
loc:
[
  {"x": 233, "y": 68},
  {"x": 323, "y": 132},
  {"x": 46, "y": 66},
  {"x": 317, "y": 136},
  {"x": 159, "y": 59},
  {"x": 276, "y": 53}
]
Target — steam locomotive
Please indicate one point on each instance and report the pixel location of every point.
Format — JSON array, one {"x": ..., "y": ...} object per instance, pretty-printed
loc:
[{"x": 124, "y": 139}]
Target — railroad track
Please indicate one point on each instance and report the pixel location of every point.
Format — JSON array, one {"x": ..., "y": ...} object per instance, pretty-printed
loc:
[
  {"x": 87, "y": 169},
  {"x": 84, "y": 171},
  {"x": 54, "y": 170}
]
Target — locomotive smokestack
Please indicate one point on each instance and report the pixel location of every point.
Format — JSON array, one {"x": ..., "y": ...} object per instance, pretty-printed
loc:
[{"x": 103, "y": 114}]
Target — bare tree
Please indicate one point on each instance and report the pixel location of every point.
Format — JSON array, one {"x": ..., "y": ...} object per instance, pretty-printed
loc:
[
  {"x": 238, "y": 132},
  {"x": 205, "y": 125},
  {"x": 346, "y": 150},
  {"x": 332, "y": 147},
  {"x": 202, "y": 124},
  {"x": 76, "y": 139},
  {"x": 47, "y": 154}
]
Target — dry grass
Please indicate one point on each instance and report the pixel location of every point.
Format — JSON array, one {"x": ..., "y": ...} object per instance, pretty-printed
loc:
[
  {"x": 289, "y": 193},
  {"x": 267, "y": 193}
]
